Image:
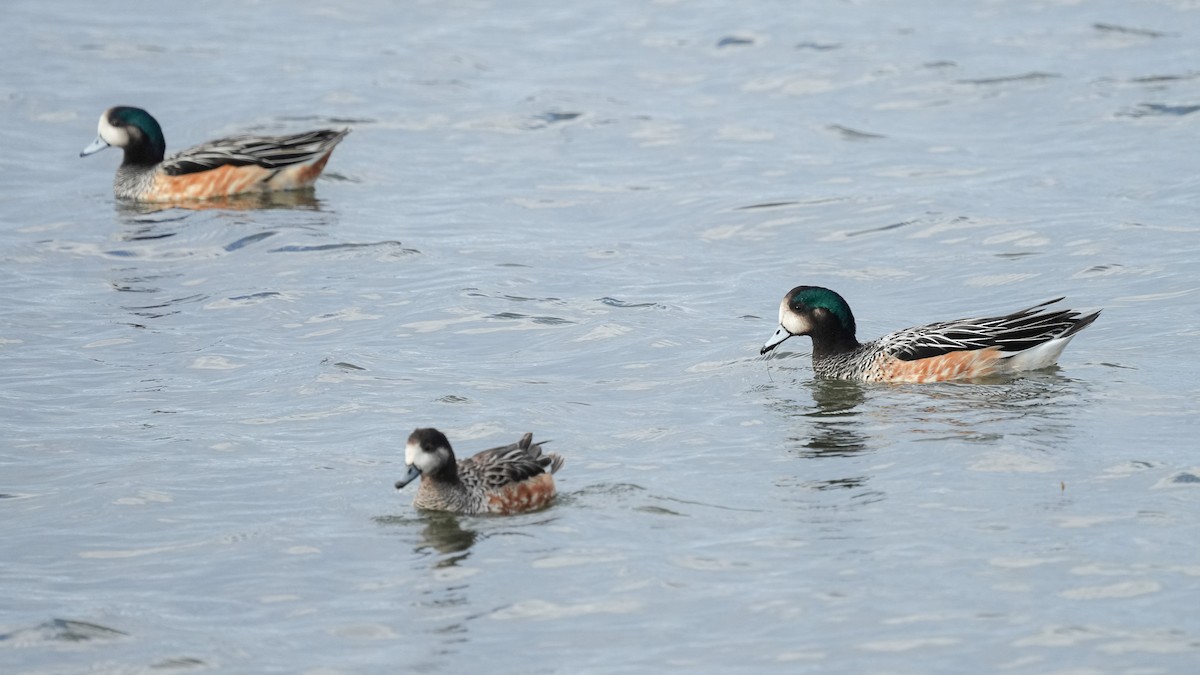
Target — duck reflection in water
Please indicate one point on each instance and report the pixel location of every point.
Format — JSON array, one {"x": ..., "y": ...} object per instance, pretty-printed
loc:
[
  {"x": 835, "y": 429},
  {"x": 301, "y": 200},
  {"x": 831, "y": 427},
  {"x": 443, "y": 533},
  {"x": 446, "y": 535}
]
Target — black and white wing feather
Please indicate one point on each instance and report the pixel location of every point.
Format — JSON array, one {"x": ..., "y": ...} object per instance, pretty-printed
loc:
[
  {"x": 1016, "y": 332},
  {"x": 508, "y": 464},
  {"x": 270, "y": 152}
]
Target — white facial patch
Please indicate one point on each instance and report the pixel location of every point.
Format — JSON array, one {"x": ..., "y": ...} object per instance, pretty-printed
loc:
[
  {"x": 796, "y": 324},
  {"x": 114, "y": 136},
  {"x": 410, "y": 452}
]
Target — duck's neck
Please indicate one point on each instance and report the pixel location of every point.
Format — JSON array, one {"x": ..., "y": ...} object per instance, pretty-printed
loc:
[
  {"x": 831, "y": 341},
  {"x": 446, "y": 474},
  {"x": 143, "y": 155},
  {"x": 444, "y": 492}
]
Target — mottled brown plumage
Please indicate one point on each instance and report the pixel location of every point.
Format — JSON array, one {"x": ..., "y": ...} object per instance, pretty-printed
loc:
[{"x": 507, "y": 479}]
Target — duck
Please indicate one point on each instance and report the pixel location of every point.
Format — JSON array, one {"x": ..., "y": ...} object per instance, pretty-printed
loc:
[
  {"x": 222, "y": 168},
  {"x": 962, "y": 349},
  {"x": 504, "y": 480}
]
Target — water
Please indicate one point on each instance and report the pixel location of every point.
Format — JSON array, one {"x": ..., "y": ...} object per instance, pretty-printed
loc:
[{"x": 578, "y": 221}]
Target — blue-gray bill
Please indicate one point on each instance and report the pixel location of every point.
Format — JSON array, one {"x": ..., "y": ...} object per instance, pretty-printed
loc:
[
  {"x": 96, "y": 146},
  {"x": 780, "y": 335},
  {"x": 413, "y": 474}
]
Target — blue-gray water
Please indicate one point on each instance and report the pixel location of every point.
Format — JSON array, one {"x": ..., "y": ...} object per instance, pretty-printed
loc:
[{"x": 578, "y": 219}]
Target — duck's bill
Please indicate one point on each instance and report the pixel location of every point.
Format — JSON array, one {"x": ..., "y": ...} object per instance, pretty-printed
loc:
[
  {"x": 413, "y": 474},
  {"x": 96, "y": 146},
  {"x": 780, "y": 335}
]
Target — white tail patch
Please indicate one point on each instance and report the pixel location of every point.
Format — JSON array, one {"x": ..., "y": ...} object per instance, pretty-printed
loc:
[{"x": 1041, "y": 356}]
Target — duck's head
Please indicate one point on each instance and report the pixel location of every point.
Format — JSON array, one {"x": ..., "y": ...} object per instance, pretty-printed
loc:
[
  {"x": 815, "y": 311},
  {"x": 427, "y": 453},
  {"x": 132, "y": 129}
]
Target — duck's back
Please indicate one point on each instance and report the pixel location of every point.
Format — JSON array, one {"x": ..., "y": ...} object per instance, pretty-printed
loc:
[
  {"x": 978, "y": 347},
  {"x": 269, "y": 152},
  {"x": 243, "y": 164},
  {"x": 511, "y": 478}
]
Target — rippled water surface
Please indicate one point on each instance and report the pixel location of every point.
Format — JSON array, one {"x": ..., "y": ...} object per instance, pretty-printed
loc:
[{"x": 578, "y": 219}]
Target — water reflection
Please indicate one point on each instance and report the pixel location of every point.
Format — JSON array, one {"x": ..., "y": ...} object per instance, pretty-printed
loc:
[
  {"x": 1039, "y": 408},
  {"x": 446, "y": 535},
  {"x": 1017, "y": 420},
  {"x": 835, "y": 414},
  {"x": 292, "y": 199},
  {"x": 831, "y": 426},
  {"x": 443, "y": 533},
  {"x": 846, "y": 418},
  {"x": 149, "y": 222},
  {"x": 159, "y": 244},
  {"x": 444, "y": 591}
]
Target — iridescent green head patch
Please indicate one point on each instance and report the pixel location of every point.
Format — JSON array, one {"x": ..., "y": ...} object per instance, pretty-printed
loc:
[
  {"x": 805, "y": 299},
  {"x": 136, "y": 117}
]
